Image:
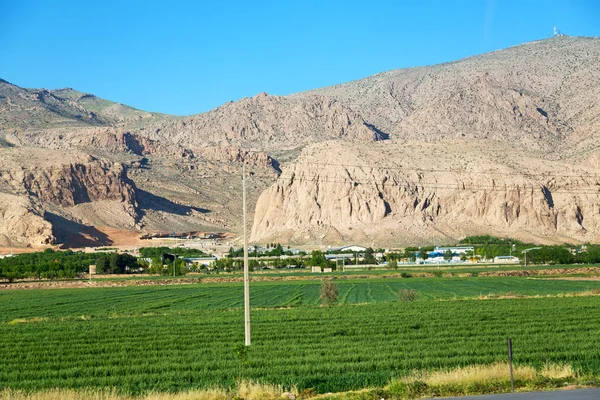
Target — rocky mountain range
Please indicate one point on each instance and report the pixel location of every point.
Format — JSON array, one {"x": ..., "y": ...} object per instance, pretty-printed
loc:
[{"x": 502, "y": 143}]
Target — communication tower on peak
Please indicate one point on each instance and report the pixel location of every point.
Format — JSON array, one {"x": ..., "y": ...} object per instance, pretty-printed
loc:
[{"x": 557, "y": 32}]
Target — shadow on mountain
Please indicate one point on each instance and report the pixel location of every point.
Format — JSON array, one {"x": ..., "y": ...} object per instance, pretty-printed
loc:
[
  {"x": 276, "y": 166},
  {"x": 381, "y": 134},
  {"x": 73, "y": 234},
  {"x": 149, "y": 201}
]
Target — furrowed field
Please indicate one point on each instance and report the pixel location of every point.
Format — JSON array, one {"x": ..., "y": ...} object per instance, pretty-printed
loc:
[{"x": 170, "y": 338}]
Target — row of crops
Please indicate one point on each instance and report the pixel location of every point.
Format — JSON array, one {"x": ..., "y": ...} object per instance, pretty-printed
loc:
[
  {"x": 328, "y": 349},
  {"x": 139, "y": 300},
  {"x": 170, "y": 338}
]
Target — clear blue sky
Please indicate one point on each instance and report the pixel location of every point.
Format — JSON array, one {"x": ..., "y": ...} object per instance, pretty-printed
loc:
[{"x": 186, "y": 57}]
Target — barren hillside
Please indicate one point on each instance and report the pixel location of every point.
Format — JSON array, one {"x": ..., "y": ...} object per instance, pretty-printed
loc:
[{"x": 503, "y": 143}]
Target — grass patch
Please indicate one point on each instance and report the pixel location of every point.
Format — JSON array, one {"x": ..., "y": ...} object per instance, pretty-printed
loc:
[
  {"x": 244, "y": 391},
  {"x": 481, "y": 379},
  {"x": 470, "y": 380}
]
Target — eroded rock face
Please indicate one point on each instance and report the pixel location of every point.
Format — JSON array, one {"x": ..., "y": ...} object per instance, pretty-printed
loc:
[
  {"x": 72, "y": 184},
  {"x": 413, "y": 193},
  {"x": 23, "y": 222},
  {"x": 33, "y": 181}
]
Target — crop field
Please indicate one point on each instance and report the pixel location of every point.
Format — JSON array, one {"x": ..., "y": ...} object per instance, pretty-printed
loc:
[
  {"x": 136, "y": 300},
  {"x": 173, "y": 338}
]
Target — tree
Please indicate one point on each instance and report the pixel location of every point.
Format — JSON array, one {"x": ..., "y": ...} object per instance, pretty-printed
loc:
[
  {"x": 369, "y": 258},
  {"x": 329, "y": 293},
  {"x": 448, "y": 255},
  {"x": 409, "y": 253},
  {"x": 179, "y": 267},
  {"x": 317, "y": 259},
  {"x": 423, "y": 253},
  {"x": 156, "y": 267}
]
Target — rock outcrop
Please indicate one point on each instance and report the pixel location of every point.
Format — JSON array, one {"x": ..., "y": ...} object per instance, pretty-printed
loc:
[
  {"x": 417, "y": 192},
  {"x": 45, "y": 180},
  {"x": 23, "y": 222}
]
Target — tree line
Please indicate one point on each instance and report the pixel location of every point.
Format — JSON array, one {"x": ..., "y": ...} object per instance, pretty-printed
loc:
[{"x": 51, "y": 264}]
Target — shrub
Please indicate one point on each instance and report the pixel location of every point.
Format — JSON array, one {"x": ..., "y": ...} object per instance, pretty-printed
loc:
[
  {"x": 407, "y": 295},
  {"x": 329, "y": 293}
]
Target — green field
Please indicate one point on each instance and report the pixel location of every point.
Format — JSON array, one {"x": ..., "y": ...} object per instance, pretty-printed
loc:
[{"x": 169, "y": 338}]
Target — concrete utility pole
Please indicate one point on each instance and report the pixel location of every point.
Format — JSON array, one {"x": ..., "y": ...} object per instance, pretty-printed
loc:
[{"x": 246, "y": 274}]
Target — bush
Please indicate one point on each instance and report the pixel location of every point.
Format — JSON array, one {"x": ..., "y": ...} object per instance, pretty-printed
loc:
[
  {"x": 329, "y": 293},
  {"x": 407, "y": 295}
]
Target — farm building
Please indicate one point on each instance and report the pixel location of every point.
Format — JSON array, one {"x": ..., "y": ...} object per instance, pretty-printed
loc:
[
  {"x": 506, "y": 260},
  {"x": 353, "y": 248},
  {"x": 200, "y": 260}
]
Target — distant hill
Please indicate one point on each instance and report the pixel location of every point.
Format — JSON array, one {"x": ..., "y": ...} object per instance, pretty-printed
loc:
[{"x": 502, "y": 143}]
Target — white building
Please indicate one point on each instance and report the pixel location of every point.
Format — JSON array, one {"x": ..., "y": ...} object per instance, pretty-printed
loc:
[
  {"x": 455, "y": 250},
  {"x": 506, "y": 260},
  {"x": 353, "y": 248},
  {"x": 206, "y": 261}
]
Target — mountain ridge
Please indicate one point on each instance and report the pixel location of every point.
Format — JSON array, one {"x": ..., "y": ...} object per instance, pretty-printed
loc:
[{"x": 539, "y": 99}]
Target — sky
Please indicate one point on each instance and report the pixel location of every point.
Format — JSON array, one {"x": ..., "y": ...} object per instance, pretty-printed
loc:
[{"x": 187, "y": 57}]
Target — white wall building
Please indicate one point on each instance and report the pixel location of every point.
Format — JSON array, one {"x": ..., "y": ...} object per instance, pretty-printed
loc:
[{"x": 354, "y": 248}]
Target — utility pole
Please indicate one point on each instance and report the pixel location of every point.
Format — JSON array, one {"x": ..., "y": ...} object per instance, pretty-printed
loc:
[{"x": 246, "y": 274}]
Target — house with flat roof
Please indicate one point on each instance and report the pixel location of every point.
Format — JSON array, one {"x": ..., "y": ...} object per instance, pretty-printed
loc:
[{"x": 206, "y": 261}]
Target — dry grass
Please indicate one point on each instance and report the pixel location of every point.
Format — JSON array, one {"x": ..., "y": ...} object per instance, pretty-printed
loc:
[
  {"x": 557, "y": 371},
  {"x": 246, "y": 391},
  {"x": 254, "y": 391},
  {"x": 206, "y": 394},
  {"x": 478, "y": 374},
  {"x": 62, "y": 394},
  {"x": 482, "y": 374},
  {"x": 460, "y": 377}
]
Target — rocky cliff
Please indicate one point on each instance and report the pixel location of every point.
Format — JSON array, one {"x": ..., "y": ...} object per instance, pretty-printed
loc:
[
  {"x": 49, "y": 181},
  {"x": 423, "y": 192},
  {"x": 23, "y": 222}
]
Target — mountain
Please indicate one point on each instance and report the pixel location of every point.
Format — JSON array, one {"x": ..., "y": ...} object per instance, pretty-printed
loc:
[{"x": 502, "y": 143}]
